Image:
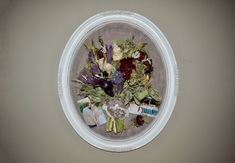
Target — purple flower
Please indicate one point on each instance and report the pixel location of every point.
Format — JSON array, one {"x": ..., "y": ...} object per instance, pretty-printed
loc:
[
  {"x": 95, "y": 69},
  {"x": 107, "y": 86},
  {"x": 86, "y": 78},
  {"x": 90, "y": 57},
  {"x": 117, "y": 78},
  {"x": 119, "y": 87},
  {"x": 109, "y": 53}
]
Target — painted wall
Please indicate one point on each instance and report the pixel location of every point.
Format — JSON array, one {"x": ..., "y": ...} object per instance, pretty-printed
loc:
[{"x": 33, "y": 128}]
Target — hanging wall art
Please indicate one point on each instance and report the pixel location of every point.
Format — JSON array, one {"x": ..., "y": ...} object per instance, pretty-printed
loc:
[{"x": 118, "y": 81}]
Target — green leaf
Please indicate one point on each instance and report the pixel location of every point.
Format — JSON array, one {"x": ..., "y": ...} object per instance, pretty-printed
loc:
[
  {"x": 126, "y": 96},
  {"x": 154, "y": 94},
  {"x": 141, "y": 95},
  {"x": 94, "y": 99}
]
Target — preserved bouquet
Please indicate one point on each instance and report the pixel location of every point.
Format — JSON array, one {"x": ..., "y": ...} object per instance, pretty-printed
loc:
[{"x": 120, "y": 71}]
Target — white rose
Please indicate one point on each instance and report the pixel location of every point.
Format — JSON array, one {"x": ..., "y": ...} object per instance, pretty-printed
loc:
[
  {"x": 104, "y": 66},
  {"x": 108, "y": 68},
  {"x": 117, "y": 54}
]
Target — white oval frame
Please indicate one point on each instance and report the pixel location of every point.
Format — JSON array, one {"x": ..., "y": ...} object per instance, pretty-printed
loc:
[{"x": 169, "y": 62}]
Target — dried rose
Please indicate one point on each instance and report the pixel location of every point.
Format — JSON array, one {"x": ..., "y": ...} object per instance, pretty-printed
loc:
[
  {"x": 126, "y": 67},
  {"x": 141, "y": 56},
  {"x": 100, "y": 54}
]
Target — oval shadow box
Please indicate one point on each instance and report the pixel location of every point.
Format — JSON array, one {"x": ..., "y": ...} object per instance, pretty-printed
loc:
[{"x": 118, "y": 81}]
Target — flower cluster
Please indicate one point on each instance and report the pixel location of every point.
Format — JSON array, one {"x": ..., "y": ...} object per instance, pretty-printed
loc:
[{"x": 120, "y": 70}]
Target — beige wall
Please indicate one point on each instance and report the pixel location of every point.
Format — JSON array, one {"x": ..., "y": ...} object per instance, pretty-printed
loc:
[
  {"x": 33, "y": 128},
  {"x": 3, "y": 157}
]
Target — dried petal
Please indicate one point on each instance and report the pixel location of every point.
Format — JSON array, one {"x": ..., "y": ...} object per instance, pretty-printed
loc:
[
  {"x": 87, "y": 78},
  {"x": 91, "y": 57},
  {"x": 109, "y": 53},
  {"x": 100, "y": 54},
  {"x": 95, "y": 70},
  {"x": 141, "y": 56}
]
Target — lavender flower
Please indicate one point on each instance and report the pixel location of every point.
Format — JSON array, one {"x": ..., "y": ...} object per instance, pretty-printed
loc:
[
  {"x": 107, "y": 86},
  {"x": 117, "y": 78},
  {"x": 119, "y": 87},
  {"x": 91, "y": 57},
  {"x": 109, "y": 54},
  {"x": 86, "y": 78},
  {"x": 95, "y": 70}
]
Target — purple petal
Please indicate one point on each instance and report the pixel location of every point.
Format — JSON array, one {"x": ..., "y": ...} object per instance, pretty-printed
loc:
[
  {"x": 87, "y": 79},
  {"x": 83, "y": 76},
  {"x": 92, "y": 80},
  {"x": 107, "y": 86},
  {"x": 117, "y": 78},
  {"x": 118, "y": 81},
  {"x": 109, "y": 54},
  {"x": 119, "y": 87},
  {"x": 91, "y": 57},
  {"x": 95, "y": 69}
]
